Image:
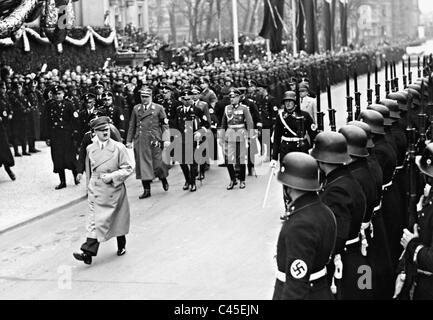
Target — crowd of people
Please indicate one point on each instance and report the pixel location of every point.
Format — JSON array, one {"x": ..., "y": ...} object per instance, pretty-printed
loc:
[{"x": 356, "y": 206}]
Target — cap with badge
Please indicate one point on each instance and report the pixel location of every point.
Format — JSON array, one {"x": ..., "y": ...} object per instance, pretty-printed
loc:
[
  {"x": 146, "y": 92},
  {"x": 88, "y": 96},
  {"x": 100, "y": 123},
  {"x": 57, "y": 89},
  {"x": 234, "y": 93}
]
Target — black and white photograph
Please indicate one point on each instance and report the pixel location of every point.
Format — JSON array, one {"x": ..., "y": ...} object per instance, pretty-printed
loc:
[{"x": 216, "y": 154}]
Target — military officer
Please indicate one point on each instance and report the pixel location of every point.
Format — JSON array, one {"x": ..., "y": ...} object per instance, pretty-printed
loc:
[
  {"x": 35, "y": 99},
  {"x": 308, "y": 234},
  {"x": 108, "y": 168},
  {"x": 21, "y": 110},
  {"x": 6, "y": 158},
  {"x": 192, "y": 125},
  {"x": 112, "y": 111},
  {"x": 345, "y": 197},
  {"x": 268, "y": 108},
  {"x": 290, "y": 129},
  {"x": 237, "y": 125},
  {"x": 149, "y": 130},
  {"x": 61, "y": 118},
  {"x": 86, "y": 114}
]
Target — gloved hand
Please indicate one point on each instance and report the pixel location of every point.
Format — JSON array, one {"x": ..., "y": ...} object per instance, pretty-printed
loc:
[
  {"x": 166, "y": 144},
  {"x": 129, "y": 145},
  {"x": 273, "y": 164},
  {"x": 48, "y": 142}
]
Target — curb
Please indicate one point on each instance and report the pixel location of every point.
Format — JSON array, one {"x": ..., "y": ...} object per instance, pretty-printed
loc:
[{"x": 44, "y": 215}]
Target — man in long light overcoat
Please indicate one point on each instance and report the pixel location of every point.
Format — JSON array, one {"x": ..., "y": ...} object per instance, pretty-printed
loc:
[{"x": 107, "y": 168}]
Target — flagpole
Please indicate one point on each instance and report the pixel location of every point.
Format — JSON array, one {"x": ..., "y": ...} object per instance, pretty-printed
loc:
[
  {"x": 235, "y": 29},
  {"x": 295, "y": 42}
]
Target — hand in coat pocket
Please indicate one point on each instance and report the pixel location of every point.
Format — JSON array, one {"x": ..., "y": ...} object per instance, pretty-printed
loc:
[{"x": 106, "y": 178}]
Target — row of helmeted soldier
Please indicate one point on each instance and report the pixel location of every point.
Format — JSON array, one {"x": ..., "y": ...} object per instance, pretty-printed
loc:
[{"x": 359, "y": 214}]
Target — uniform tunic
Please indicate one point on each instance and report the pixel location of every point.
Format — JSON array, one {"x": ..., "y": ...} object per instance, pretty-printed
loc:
[
  {"x": 238, "y": 125},
  {"x": 305, "y": 246},
  {"x": 147, "y": 126},
  {"x": 6, "y": 157},
  {"x": 287, "y": 128}
]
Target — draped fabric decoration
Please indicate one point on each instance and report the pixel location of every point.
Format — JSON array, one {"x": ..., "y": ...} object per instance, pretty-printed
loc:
[
  {"x": 13, "y": 21},
  {"x": 300, "y": 22},
  {"x": 89, "y": 37}
]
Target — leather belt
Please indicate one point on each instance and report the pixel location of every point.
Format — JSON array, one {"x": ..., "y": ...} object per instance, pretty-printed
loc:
[
  {"x": 313, "y": 277},
  {"x": 236, "y": 126},
  {"x": 291, "y": 139},
  {"x": 426, "y": 273}
]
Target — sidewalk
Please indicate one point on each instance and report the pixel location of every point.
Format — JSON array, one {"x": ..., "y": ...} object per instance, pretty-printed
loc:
[{"x": 32, "y": 195}]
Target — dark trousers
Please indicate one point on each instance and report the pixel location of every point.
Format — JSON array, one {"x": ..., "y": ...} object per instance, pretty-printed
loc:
[
  {"x": 232, "y": 172},
  {"x": 91, "y": 246},
  {"x": 189, "y": 172},
  {"x": 62, "y": 175}
]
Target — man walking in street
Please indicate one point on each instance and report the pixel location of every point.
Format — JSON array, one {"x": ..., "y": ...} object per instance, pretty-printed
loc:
[
  {"x": 149, "y": 130},
  {"x": 107, "y": 170}
]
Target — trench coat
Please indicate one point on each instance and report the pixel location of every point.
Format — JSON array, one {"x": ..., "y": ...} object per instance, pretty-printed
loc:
[
  {"x": 109, "y": 214},
  {"x": 145, "y": 128}
]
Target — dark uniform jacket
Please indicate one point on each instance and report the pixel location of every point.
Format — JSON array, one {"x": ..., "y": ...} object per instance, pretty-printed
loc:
[
  {"x": 6, "y": 157},
  {"x": 170, "y": 107},
  {"x": 424, "y": 261},
  {"x": 305, "y": 246},
  {"x": 116, "y": 116},
  {"x": 287, "y": 126},
  {"x": 268, "y": 109},
  {"x": 61, "y": 124},
  {"x": 344, "y": 196}
]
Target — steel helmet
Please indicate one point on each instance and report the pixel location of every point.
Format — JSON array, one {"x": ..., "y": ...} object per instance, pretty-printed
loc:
[
  {"x": 330, "y": 147},
  {"x": 299, "y": 171}
]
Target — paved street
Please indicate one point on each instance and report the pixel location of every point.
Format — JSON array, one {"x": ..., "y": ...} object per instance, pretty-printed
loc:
[{"x": 213, "y": 244}]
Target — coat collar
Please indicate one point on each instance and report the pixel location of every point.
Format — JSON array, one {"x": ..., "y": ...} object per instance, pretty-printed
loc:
[
  {"x": 302, "y": 202},
  {"x": 336, "y": 174},
  {"x": 98, "y": 156}
]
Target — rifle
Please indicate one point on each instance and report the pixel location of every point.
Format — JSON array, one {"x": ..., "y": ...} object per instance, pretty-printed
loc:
[
  {"x": 387, "y": 79},
  {"x": 331, "y": 111},
  {"x": 430, "y": 108},
  {"x": 320, "y": 114},
  {"x": 410, "y": 72},
  {"x": 395, "y": 78},
  {"x": 404, "y": 76},
  {"x": 369, "y": 90},
  {"x": 411, "y": 167},
  {"x": 419, "y": 67},
  {"x": 357, "y": 97},
  {"x": 377, "y": 85},
  {"x": 422, "y": 120},
  {"x": 349, "y": 100}
]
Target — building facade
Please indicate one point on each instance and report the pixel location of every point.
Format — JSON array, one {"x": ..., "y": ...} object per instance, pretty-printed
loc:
[{"x": 384, "y": 20}]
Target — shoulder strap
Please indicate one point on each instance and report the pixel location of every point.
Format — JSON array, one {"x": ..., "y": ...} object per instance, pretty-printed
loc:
[{"x": 285, "y": 123}]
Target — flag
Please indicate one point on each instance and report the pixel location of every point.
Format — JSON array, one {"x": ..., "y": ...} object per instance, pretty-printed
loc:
[
  {"x": 343, "y": 22},
  {"x": 272, "y": 28},
  {"x": 327, "y": 24},
  {"x": 309, "y": 10}
]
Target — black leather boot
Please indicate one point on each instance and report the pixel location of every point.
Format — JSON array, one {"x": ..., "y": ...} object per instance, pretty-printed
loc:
[{"x": 10, "y": 173}]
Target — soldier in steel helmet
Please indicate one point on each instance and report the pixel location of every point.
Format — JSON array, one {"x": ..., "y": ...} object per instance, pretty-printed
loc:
[
  {"x": 343, "y": 194},
  {"x": 308, "y": 233}
]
